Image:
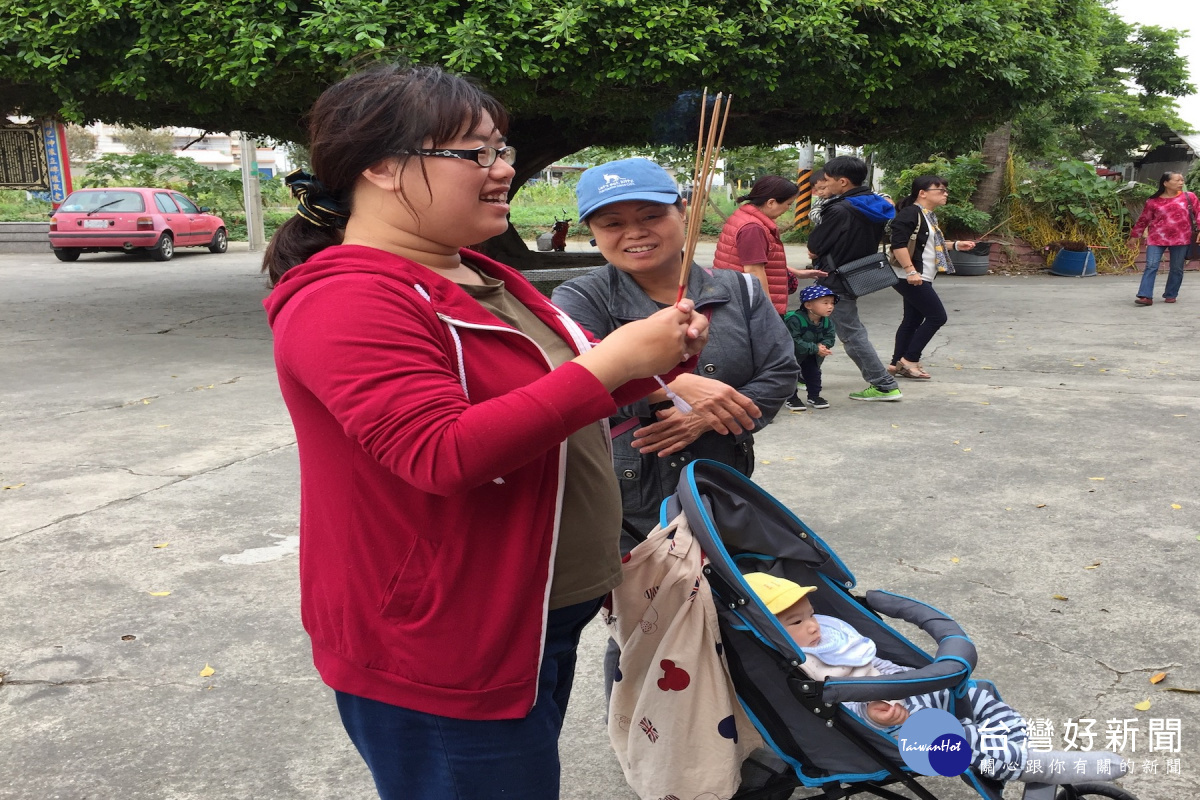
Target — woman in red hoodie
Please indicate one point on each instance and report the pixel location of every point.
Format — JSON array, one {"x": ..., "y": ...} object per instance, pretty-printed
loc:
[{"x": 459, "y": 514}]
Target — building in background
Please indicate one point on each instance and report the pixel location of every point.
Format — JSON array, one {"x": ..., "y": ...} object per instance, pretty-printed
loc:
[{"x": 214, "y": 150}]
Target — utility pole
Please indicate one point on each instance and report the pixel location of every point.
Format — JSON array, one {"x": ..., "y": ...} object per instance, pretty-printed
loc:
[
  {"x": 252, "y": 194},
  {"x": 804, "y": 180}
]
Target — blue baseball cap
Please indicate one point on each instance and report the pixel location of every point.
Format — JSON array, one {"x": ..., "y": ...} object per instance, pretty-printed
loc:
[
  {"x": 627, "y": 179},
  {"x": 815, "y": 291}
]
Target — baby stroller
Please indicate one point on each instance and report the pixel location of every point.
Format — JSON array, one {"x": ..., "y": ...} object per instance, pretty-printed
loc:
[{"x": 827, "y": 750}]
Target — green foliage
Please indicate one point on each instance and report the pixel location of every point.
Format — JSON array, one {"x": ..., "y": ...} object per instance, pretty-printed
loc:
[
  {"x": 962, "y": 174},
  {"x": 15, "y": 206},
  {"x": 1070, "y": 202},
  {"x": 536, "y": 207},
  {"x": 1071, "y": 193},
  {"x": 678, "y": 159},
  {"x": 1129, "y": 103},
  {"x": 748, "y": 164},
  {"x": 217, "y": 189},
  {"x": 573, "y": 73},
  {"x": 235, "y": 222}
]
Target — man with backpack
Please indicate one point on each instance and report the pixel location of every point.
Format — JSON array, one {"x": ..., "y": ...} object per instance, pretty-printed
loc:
[{"x": 852, "y": 223}]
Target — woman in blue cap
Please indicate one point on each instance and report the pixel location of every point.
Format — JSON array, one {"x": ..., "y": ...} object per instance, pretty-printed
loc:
[
  {"x": 634, "y": 210},
  {"x": 811, "y": 327},
  {"x": 636, "y": 214}
]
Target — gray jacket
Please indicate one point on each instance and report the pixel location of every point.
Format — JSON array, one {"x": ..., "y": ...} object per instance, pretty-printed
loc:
[{"x": 748, "y": 348}]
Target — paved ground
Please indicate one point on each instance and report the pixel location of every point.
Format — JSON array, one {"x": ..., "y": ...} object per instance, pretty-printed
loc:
[{"x": 145, "y": 451}]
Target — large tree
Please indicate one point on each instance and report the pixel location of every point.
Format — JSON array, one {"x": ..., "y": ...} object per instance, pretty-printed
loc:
[
  {"x": 573, "y": 72},
  {"x": 1128, "y": 102}
]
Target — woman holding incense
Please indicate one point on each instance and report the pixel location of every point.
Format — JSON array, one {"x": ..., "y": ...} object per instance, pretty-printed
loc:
[
  {"x": 750, "y": 241},
  {"x": 634, "y": 211},
  {"x": 450, "y": 424}
]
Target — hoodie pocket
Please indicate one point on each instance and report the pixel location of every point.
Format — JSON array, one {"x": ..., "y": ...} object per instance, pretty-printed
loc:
[{"x": 410, "y": 586}]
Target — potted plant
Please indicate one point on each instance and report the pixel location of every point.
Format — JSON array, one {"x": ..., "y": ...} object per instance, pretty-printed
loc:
[{"x": 1073, "y": 258}]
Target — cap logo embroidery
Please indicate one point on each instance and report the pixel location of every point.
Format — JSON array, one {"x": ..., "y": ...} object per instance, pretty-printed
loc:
[{"x": 614, "y": 182}]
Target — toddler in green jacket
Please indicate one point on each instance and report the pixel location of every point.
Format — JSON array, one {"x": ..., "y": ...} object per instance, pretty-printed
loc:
[{"x": 811, "y": 327}]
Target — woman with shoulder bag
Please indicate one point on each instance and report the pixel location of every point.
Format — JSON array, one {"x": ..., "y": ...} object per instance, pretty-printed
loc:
[
  {"x": 918, "y": 251},
  {"x": 1169, "y": 220}
]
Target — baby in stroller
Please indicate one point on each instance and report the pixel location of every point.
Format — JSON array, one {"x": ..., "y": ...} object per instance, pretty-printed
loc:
[
  {"x": 808, "y": 718},
  {"x": 835, "y": 649}
]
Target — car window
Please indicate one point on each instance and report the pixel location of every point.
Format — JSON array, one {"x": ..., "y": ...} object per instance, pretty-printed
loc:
[
  {"x": 187, "y": 205},
  {"x": 165, "y": 203},
  {"x": 103, "y": 202}
]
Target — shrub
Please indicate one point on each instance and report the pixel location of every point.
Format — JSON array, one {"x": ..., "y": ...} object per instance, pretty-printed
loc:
[
  {"x": 16, "y": 206},
  {"x": 962, "y": 173},
  {"x": 1070, "y": 202}
]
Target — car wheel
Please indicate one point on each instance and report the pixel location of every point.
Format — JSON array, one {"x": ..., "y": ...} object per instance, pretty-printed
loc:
[
  {"x": 164, "y": 249},
  {"x": 220, "y": 242},
  {"x": 66, "y": 253}
]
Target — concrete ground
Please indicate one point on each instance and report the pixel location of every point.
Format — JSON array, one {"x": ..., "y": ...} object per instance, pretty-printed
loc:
[{"x": 1041, "y": 489}]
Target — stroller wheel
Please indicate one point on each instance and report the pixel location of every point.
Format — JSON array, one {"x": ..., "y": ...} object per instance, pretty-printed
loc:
[{"x": 1083, "y": 791}]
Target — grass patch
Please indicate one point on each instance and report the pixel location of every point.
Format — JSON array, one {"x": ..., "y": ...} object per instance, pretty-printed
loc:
[{"x": 15, "y": 206}]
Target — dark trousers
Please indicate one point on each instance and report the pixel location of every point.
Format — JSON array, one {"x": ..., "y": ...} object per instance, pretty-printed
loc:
[
  {"x": 417, "y": 756},
  {"x": 810, "y": 373},
  {"x": 924, "y": 314}
]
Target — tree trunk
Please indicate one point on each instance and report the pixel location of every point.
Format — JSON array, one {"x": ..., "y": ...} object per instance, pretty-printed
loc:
[
  {"x": 540, "y": 141},
  {"x": 995, "y": 155}
]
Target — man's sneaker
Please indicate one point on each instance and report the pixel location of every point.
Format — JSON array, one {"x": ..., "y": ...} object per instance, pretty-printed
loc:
[
  {"x": 794, "y": 403},
  {"x": 871, "y": 393},
  {"x": 818, "y": 402}
]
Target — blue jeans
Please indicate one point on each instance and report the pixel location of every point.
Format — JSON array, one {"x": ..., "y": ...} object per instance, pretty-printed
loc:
[
  {"x": 1154, "y": 254},
  {"x": 417, "y": 756}
]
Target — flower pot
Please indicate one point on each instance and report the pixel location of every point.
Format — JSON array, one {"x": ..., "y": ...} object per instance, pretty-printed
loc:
[
  {"x": 1074, "y": 264},
  {"x": 969, "y": 262}
]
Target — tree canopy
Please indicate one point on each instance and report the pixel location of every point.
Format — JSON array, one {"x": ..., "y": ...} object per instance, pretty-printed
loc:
[{"x": 573, "y": 72}]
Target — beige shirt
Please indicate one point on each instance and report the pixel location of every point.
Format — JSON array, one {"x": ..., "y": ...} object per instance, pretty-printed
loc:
[{"x": 587, "y": 562}]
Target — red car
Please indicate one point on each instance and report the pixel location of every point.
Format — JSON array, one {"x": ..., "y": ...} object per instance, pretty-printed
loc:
[{"x": 133, "y": 219}]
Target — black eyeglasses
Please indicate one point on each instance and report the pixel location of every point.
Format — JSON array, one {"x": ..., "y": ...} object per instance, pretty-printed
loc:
[{"x": 483, "y": 156}]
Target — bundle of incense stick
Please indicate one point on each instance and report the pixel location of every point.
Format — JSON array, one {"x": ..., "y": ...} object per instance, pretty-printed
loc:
[{"x": 708, "y": 152}]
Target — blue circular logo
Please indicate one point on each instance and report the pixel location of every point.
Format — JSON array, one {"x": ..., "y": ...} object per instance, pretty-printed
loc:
[{"x": 933, "y": 742}]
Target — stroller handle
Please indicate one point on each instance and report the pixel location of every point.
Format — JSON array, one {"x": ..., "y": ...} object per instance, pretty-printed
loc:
[{"x": 952, "y": 666}]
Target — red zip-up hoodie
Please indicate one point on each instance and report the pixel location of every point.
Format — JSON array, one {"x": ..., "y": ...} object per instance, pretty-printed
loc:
[{"x": 431, "y": 438}]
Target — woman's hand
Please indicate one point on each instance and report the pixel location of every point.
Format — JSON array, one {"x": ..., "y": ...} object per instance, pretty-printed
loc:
[
  {"x": 672, "y": 433},
  {"x": 808, "y": 273},
  {"x": 963, "y": 246},
  {"x": 647, "y": 346},
  {"x": 723, "y": 408},
  {"x": 913, "y": 278}
]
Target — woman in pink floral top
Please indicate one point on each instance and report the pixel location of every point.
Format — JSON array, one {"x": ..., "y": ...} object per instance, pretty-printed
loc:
[{"x": 1171, "y": 230}]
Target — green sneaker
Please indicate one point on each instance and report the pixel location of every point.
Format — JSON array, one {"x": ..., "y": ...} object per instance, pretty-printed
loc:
[{"x": 871, "y": 393}]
